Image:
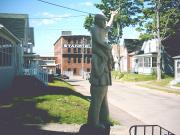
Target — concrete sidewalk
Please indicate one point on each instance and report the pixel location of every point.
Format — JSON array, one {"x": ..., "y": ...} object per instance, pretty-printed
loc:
[{"x": 73, "y": 128}]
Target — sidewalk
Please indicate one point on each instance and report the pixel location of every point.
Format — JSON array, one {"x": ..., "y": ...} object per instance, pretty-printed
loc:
[{"x": 73, "y": 128}]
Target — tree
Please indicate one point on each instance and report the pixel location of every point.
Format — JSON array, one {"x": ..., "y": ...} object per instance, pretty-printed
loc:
[
  {"x": 128, "y": 9},
  {"x": 88, "y": 22},
  {"x": 169, "y": 13},
  {"x": 159, "y": 19}
]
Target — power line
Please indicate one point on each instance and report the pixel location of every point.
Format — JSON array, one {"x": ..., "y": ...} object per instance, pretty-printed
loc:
[
  {"x": 64, "y": 7},
  {"x": 55, "y": 17}
]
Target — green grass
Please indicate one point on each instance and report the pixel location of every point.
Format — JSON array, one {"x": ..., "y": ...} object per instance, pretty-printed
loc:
[
  {"x": 61, "y": 84},
  {"x": 117, "y": 74},
  {"x": 63, "y": 106},
  {"x": 67, "y": 109},
  {"x": 159, "y": 89},
  {"x": 164, "y": 82},
  {"x": 130, "y": 77},
  {"x": 178, "y": 85}
]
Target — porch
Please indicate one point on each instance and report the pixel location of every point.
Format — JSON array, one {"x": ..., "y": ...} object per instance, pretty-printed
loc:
[{"x": 145, "y": 63}]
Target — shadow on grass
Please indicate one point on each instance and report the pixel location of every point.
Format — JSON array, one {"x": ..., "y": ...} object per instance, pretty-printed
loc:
[{"x": 18, "y": 111}]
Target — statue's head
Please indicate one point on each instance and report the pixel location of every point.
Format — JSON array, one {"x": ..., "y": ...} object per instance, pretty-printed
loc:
[{"x": 100, "y": 20}]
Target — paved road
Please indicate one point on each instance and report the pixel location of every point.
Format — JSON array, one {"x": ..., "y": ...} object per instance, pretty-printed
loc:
[{"x": 131, "y": 104}]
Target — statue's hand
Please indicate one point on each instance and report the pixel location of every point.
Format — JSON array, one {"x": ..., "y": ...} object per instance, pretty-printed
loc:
[{"x": 114, "y": 13}]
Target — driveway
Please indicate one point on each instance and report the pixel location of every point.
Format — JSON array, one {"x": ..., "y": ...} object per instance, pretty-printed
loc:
[{"x": 131, "y": 104}]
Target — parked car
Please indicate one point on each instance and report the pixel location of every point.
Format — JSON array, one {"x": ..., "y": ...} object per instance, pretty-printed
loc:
[
  {"x": 64, "y": 76},
  {"x": 60, "y": 76}
]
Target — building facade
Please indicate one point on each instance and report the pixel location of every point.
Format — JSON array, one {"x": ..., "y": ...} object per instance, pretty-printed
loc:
[
  {"x": 73, "y": 54},
  {"x": 123, "y": 54},
  {"x": 48, "y": 64},
  {"x": 146, "y": 62},
  {"x": 177, "y": 68},
  {"x": 11, "y": 57}
]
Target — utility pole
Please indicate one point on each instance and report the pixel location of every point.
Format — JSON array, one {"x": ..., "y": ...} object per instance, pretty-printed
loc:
[
  {"x": 159, "y": 40},
  {"x": 83, "y": 59}
]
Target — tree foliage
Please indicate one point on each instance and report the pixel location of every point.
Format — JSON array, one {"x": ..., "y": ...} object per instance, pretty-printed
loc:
[
  {"x": 169, "y": 18},
  {"x": 128, "y": 10},
  {"x": 88, "y": 22}
]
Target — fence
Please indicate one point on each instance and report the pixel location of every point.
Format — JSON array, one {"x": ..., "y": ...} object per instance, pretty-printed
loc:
[
  {"x": 148, "y": 130},
  {"x": 38, "y": 72}
]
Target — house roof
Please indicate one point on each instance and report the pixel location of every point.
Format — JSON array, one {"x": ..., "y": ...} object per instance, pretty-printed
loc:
[
  {"x": 7, "y": 32},
  {"x": 133, "y": 45},
  {"x": 16, "y": 23}
]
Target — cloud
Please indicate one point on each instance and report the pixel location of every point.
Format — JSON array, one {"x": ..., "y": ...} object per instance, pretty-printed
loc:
[
  {"x": 81, "y": 4},
  {"x": 48, "y": 18},
  {"x": 87, "y": 3}
]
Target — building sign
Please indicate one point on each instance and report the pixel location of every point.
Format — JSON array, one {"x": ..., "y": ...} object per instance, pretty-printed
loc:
[{"x": 76, "y": 46}]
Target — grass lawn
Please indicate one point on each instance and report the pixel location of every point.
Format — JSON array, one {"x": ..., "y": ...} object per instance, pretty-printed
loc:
[
  {"x": 130, "y": 77},
  {"x": 66, "y": 109},
  {"x": 58, "y": 103},
  {"x": 61, "y": 84},
  {"x": 178, "y": 85},
  {"x": 163, "y": 82}
]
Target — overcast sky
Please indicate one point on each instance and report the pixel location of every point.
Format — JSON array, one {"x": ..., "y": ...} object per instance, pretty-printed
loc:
[{"x": 48, "y": 30}]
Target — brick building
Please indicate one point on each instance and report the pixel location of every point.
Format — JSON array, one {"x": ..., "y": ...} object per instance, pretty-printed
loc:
[{"x": 73, "y": 53}]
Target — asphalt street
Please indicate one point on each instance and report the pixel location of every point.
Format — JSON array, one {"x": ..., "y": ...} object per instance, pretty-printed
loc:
[{"x": 134, "y": 105}]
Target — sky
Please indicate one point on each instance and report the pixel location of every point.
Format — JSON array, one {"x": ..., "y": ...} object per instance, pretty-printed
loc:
[{"x": 55, "y": 20}]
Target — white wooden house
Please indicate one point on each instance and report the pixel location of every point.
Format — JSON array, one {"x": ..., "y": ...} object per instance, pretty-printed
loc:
[
  {"x": 145, "y": 63},
  {"x": 177, "y": 68}
]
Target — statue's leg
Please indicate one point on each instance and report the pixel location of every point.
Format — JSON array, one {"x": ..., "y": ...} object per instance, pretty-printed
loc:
[
  {"x": 104, "y": 111},
  {"x": 97, "y": 95}
]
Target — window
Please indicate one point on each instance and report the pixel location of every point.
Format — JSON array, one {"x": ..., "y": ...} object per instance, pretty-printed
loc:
[
  {"x": 140, "y": 60},
  {"x": 178, "y": 69},
  {"x": 147, "y": 62},
  {"x": 88, "y": 69},
  {"x": 69, "y": 41},
  {"x": 88, "y": 59},
  {"x": 5, "y": 53},
  {"x": 85, "y": 59},
  {"x": 69, "y": 50},
  {"x": 79, "y": 60},
  {"x": 74, "y": 71},
  {"x": 69, "y": 69},
  {"x": 69, "y": 59},
  {"x": 79, "y": 50},
  {"x": 74, "y": 60},
  {"x": 154, "y": 61},
  {"x": 88, "y": 50},
  {"x": 75, "y": 51},
  {"x": 85, "y": 50}
]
